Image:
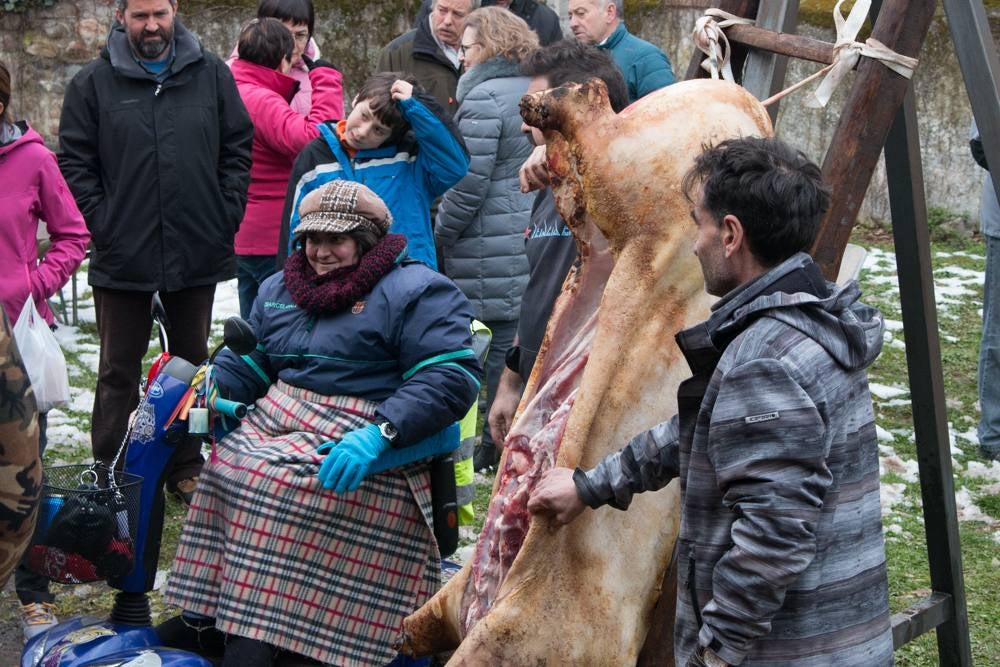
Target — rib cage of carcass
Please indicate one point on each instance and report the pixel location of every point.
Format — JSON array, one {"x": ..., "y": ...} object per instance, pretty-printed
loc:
[{"x": 608, "y": 369}]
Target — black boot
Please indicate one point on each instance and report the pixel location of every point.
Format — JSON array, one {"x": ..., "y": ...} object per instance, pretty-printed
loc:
[
  {"x": 194, "y": 634},
  {"x": 246, "y": 652},
  {"x": 484, "y": 457}
]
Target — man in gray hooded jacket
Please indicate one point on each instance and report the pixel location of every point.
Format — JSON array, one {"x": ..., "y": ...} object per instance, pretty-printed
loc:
[{"x": 780, "y": 555}]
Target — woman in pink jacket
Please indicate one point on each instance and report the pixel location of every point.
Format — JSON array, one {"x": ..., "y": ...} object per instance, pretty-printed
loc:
[
  {"x": 266, "y": 50},
  {"x": 299, "y": 17},
  {"x": 33, "y": 189}
]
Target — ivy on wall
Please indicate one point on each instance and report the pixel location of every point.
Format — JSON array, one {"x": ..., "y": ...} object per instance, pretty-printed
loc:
[{"x": 22, "y": 5}]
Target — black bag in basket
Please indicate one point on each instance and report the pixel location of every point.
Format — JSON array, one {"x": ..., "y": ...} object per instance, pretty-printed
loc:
[
  {"x": 83, "y": 525},
  {"x": 87, "y": 530}
]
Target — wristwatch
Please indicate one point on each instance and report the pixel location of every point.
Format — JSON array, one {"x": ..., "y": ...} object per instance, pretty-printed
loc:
[
  {"x": 388, "y": 431},
  {"x": 710, "y": 658}
]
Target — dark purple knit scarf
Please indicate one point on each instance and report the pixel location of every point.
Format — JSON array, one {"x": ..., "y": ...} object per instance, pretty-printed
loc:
[{"x": 341, "y": 288}]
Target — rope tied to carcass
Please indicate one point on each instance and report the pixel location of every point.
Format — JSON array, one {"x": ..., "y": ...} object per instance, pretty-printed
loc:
[
  {"x": 710, "y": 38},
  {"x": 846, "y": 52}
]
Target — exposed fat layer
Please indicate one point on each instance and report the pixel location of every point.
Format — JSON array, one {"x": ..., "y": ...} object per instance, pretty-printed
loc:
[{"x": 533, "y": 443}]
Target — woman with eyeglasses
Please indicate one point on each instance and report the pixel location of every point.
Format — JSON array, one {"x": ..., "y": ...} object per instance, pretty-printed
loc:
[
  {"x": 481, "y": 221},
  {"x": 299, "y": 16},
  {"x": 267, "y": 52}
]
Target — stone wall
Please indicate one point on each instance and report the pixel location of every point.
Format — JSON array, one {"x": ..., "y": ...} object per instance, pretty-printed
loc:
[{"x": 44, "y": 48}]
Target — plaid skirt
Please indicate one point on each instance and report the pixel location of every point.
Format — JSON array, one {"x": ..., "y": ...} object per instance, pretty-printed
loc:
[{"x": 271, "y": 555}]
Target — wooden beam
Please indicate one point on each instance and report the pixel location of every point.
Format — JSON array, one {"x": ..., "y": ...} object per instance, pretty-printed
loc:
[
  {"x": 782, "y": 43},
  {"x": 764, "y": 70},
  {"x": 922, "y": 617},
  {"x": 926, "y": 379},
  {"x": 864, "y": 124}
]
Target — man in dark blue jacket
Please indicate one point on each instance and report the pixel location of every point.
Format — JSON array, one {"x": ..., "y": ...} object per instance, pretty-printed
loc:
[{"x": 599, "y": 22}]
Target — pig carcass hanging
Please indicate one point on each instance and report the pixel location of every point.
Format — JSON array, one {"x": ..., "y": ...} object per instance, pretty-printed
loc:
[{"x": 608, "y": 368}]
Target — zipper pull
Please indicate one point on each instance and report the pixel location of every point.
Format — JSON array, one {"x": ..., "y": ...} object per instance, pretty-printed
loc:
[{"x": 159, "y": 87}]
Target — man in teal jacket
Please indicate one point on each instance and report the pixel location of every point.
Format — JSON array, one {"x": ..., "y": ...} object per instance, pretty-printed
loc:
[{"x": 599, "y": 22}]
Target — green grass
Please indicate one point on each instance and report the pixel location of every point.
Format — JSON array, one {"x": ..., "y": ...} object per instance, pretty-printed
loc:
[
  {"x": 906, "y": 543},
  {"x": 959, "y": 326}
]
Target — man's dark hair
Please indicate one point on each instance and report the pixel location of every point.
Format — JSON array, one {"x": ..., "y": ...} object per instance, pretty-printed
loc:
[
  {"x": 266, "y": 42},
  {"x": 569, "y": 61},
  {"x": 294, "y": 11},
  {"x": 777, "y": 193},
  {"x": 377, "y": 91}
]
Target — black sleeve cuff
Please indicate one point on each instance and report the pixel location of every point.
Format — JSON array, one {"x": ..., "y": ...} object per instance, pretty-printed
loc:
[
  {"x": 512, "y": 359},
  {"x": 586, "y": 491},
  {"x": 978, "y": 153}
]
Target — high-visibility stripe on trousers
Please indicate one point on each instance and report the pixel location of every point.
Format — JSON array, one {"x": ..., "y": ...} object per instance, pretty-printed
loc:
[{"x": 464, "y": 482}]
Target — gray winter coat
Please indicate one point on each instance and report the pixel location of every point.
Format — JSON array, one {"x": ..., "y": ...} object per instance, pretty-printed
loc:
[
  {"x": 781, "y": 536},
  {"x": 481, "y": 221}
]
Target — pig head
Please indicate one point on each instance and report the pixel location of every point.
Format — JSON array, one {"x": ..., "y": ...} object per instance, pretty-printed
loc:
[{"x": 609, "y": 368}]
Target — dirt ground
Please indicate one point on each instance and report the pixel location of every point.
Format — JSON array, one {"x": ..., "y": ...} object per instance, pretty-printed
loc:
[{"x": 10, "y": 628}]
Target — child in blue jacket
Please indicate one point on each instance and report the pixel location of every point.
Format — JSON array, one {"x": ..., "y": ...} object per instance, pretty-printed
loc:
[{"x": 399, "y": 143}]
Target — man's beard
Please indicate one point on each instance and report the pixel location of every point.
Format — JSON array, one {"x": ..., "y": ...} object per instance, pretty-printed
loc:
[{"x": 151, "y": 46}]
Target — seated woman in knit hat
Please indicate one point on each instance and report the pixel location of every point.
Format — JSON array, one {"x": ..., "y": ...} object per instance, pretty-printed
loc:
[{"x": 295, "y": 539}]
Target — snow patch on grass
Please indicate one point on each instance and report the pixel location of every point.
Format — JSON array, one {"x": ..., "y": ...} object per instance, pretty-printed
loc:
[
  {"x": 969, "y": 511},
  {"x": 890, "y": 494},
  {"x": 886, "y": 391},
  {"x": 908, "y": 470},
  {"x": 988, "y": 471}
]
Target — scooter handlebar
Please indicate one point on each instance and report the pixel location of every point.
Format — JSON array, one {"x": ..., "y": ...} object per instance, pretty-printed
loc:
[{"x": 229, "y": 408}]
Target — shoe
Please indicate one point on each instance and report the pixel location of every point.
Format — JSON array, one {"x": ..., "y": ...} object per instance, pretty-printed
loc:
[
  {"x": 36, "y": 618},
  {"x": 184, "y": 490},
  {"x": 485, "y": 457}
]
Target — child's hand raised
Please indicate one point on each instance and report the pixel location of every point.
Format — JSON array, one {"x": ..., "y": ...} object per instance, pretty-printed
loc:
[{"x": 401, "y": 90}]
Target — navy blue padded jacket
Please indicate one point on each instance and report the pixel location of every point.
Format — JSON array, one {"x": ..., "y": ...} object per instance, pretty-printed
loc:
[{"x": 406, "y": 346}]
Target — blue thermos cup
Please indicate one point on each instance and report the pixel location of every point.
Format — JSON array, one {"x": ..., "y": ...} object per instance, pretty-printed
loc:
[{"x": 50, "y": 507}]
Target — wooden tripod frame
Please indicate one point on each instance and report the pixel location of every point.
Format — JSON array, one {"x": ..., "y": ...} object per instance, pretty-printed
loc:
[{"x": 880, "y": 113}]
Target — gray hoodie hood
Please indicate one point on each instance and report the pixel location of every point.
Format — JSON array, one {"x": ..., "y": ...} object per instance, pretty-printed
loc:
[{"x": 794, "y": 293}]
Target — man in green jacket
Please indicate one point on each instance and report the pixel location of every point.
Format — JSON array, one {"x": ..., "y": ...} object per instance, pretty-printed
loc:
[
  {"x": 599, "y": 22},
  {"x": 430, "y": 51}
]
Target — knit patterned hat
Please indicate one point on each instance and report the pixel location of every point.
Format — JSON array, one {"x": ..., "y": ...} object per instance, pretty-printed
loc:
[{"x": 342, "y": 206}]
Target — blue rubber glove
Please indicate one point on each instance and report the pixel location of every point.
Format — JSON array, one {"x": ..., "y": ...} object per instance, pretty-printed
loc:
[{"x": 348, "y": 462}]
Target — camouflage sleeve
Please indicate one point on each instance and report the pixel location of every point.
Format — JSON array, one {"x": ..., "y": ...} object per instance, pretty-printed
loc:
[{"x": 20, "y": 462}]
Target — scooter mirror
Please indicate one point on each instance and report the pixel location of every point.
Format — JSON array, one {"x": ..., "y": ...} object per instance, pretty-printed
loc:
[
  {"x": 158, "y": 312},
  {"x": 238, "y": 336}
]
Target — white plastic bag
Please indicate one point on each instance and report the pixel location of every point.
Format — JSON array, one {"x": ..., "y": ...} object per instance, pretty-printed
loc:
[{"x": 43, "y": 358}]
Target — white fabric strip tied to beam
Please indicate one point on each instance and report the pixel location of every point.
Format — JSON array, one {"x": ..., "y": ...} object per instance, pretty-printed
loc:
[
  {"x": 847, "y": 52},
  {"x": 710, "y": 38}
]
